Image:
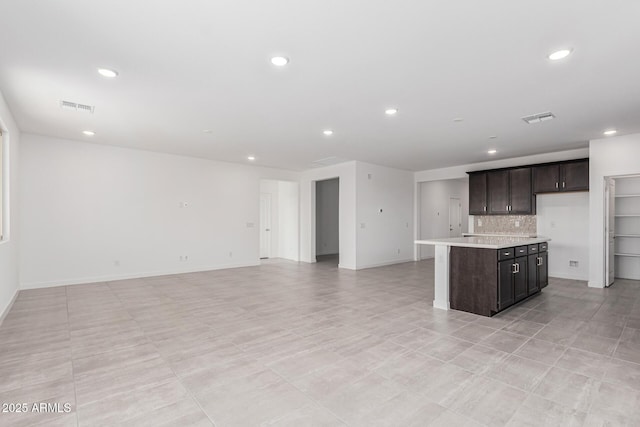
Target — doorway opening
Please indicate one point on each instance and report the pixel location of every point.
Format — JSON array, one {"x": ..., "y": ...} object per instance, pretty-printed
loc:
[
  {"x": 327, "y": 221},
  {"x": 443, "y": 211},
  {"x": 455, "y": 217},
  {"x": 279, "y": 220},
  {"x": 622, "y": 228}
]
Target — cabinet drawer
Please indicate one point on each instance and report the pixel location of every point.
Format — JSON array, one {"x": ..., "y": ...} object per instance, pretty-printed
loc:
[
  {"x": 506, "y": 253},
  {"x": 533, "y": 249},
  {"x": 543, "y": 247},
  {"x": 521, "y": 250}
]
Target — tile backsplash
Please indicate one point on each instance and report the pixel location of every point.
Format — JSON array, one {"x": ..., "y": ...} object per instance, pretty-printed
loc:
[{"x": 505, "y": 224}]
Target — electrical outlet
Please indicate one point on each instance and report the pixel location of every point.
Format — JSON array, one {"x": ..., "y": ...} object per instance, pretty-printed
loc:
[
  {"x": 398, "y": 251},
  {"x": 573, "y": 263},
  {"x": 230, "y": 254},
  {"x": 517, "y": 223},
  {"x": 250, "y": 225},
  {"x": 363, "y": 225},
  {"x": 479, "y": 223},
  {"x": 116, "y": 263},
  {"x": 184, "y": 258}
]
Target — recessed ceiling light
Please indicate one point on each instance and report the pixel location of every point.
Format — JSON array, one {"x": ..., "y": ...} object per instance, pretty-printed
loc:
[
  {"x": 492, "y": 151},
  {"x": 327, "y": 132},
  {"x": 251, "y": 158},
  {"x": 279, "y": 61},
  {"x": 610, "y": 132},
  {"x": 106, "y": 72},
  {"x": 560, "y": 54},
  {"x": 207, "y": 131},
  {"x": 88, "y": 132},
  {"x": 391, "y": 111},
  {"x": 458, "y": 119}
]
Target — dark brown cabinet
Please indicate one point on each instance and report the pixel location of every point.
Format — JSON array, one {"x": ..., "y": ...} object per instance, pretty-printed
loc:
[
  {"x": 543, "y": 270},
  {"x": 521, "y": 196},
  {"x": 506, "y": 270},
  {"x": 478, "y": 193},
  {"x": 558, "y": 177},
  {"x": 512, "y": 282},
  {"x": 509, "y": 191},
  {"x": 487, "y": 281},
  {"x": 513, "y": 191}
]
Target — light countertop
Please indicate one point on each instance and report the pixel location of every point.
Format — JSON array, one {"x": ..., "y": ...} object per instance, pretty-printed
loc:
[{"x": 486, "y": 242}]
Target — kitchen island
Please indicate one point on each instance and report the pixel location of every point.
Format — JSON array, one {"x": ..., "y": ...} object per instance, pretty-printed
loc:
[{"x": 486, "y": 274}]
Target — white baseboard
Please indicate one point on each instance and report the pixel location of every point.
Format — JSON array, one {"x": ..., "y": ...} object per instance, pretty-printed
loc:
[
  {"x": 115, "y": 277},
  {"x": 567, "y": 276},
  {"x": 7, "y": 309},
  {"x": 593, "y": 284},
  {"x": 382, "y": 264}
]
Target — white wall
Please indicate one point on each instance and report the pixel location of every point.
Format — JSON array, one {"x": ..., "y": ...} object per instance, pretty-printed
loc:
[
  {"x": 383, "y": 237},
  {"x": 347, "y": 212},
  {"x": 613, "y": 156},
  {"x": 434, "y": 210},
  {"x": 288, "y": 220},
  {"x": 327, "y": 217},
  {"x": 564, "y": 217},
  {"x": 9, "y": 248},
  {"x": 92, "y": 213}
]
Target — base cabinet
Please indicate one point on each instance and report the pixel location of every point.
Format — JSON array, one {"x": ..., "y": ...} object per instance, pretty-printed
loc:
[{"x": 487, "y": 281}]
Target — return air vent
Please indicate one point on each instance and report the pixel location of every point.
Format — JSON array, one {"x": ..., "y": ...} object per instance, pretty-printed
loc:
[
  {"x": 539, "y": 118},
  {"x": 328, "y": 161},
  {"x": 73, "y": 106}
]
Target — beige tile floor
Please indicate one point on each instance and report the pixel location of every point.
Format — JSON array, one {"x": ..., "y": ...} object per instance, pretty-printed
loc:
[{"x": 288, "y": 344}]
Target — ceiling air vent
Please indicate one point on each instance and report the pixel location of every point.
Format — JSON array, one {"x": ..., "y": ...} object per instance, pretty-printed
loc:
[
  {"x": 539, "y": 118},
  {"x": 328, "y": 161},
  {"x": 73, "y": 106}
]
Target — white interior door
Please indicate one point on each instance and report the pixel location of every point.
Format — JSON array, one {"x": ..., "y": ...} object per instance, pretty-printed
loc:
[
  {"x": 455, "y": 217},
  {"x": 610, "y": 229},
  {"x": 265, "y": 225}
]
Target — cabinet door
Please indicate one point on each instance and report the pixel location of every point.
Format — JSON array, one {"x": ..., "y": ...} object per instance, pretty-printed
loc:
[
  {"x": 532, "y": 271},
  {"x": 520, "y": 279},
  {"x": 543, "y": 270},
  {"x": 506, "y": 271},
  {"x": 498, "y": 190},
  {"x": 575, "y": 176},
  {"x": 521, "y": 200},
  {"x": 478, "y": 193},
  {"x": 546, "y": 179}
]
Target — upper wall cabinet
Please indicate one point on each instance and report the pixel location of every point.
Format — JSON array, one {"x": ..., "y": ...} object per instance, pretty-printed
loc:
[
  {"x": 569, "y": 176},
  {"x": 512, "y": 191},
  {"x": 478, "y": 193},
  {"x": 509, "y": 191}
]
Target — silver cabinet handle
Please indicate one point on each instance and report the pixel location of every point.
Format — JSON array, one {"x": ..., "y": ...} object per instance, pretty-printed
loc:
[
  {"x": 484, "y": 208},
  {"x": 514, "y": 270},
  {"x": 556, "y": 185},
  {"x": 539, "y": 261},
  {"x": 564, "y": 184}
]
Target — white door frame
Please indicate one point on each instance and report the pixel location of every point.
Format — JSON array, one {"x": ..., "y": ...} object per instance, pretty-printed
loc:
[
  {"x": 265, "y": 225},
  {"x": 608, "y": 212},
  {"x": 452, "y": 227}
]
